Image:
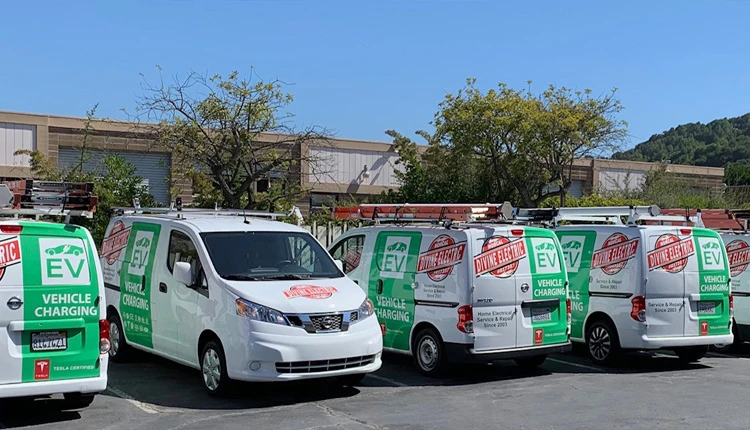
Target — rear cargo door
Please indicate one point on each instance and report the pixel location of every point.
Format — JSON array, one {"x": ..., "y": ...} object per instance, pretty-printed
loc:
[
  {"x": 11, "y": 305},
  {"x": 54, "y": 333},
  {"x": 498, "y": 255},
  {"x": 542, "y": 319},
  {"x": 707, "y": 286},
  {"x": 668, "y": 253}
]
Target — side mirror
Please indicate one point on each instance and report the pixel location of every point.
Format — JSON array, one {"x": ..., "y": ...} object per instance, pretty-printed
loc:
[
  {"x": 183, "y": 273},
  {"x": 339, "y": 264}
]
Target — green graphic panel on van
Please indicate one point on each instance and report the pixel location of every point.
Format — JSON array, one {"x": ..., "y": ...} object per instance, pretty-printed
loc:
[
  {"x": 392, "y": 275},
  {"x": 135, "y": 283},
  {"x": 713, "y": 279},
  {"x": 549, "y": 323},
  {"x": 61, "y": 303},
  {"x": 578, "y": 248}
]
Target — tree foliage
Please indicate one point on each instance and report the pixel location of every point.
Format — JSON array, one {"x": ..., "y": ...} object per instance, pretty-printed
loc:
[
  {"x": 716, "y": 144},
  {"x": 219, "y": 127},
  {"x": 507, "y": 144}
]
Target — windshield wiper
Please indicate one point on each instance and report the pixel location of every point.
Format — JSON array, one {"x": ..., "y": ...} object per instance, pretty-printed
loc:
[
  {"x": 286, "y": 277},
  {"x": 239, "y": 277}
]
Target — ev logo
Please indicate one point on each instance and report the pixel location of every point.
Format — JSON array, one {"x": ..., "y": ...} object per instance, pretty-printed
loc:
[
  {"x": 141, "y": 251},
  {"x": 710, "y": 251},
  {"x": 64, "y": 262},
  {"x": 572, "y": 248},
  {"x": 545, "y": 256},
  {"x": 394, "y": 257}
]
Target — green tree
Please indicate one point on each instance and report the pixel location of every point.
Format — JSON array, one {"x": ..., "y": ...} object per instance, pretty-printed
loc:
[{"x": 232, "y": 130}]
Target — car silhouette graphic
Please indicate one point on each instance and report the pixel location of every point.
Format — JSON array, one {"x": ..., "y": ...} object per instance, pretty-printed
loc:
[
  {"x": 572, "y": 245},
  {"x": 143, "y": 242},
  {"x": 398, "y": 247},
  {"x": 711, "y": 245},
  {"x": 66, "y": 249},
  {"x": 545, "y": 246}
]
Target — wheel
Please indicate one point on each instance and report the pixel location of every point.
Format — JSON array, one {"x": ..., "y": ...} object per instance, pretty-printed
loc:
[
  {"x": 429, "y": 353},
  {"x": 352, "y": 380},
  {"x": 529, "y": 363},
  {"x": 214, "y": 369},
  {"x": 78, "y": 400},
  {"x": 691, "y": 354},
  {"x": 119, "y": 350},
  {"x": 602, "y": 342}
]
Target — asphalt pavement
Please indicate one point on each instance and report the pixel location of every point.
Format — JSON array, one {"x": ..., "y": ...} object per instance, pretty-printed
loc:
[{"x": 645, "y": 391}]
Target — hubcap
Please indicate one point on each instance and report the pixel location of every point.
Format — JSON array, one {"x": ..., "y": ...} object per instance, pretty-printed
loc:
[
  {"x": 600, "y": 343},
  {"x": 428, "y": 353},
  {"x": 211, "y": 369},
  {"x": 114, "y": 339}
]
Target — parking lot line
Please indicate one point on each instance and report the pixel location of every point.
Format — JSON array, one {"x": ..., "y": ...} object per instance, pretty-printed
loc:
[
  {"x": 582, "y": 366},
  {"x": 134, "y": 402},
  {"x": 387, "y": 380}
]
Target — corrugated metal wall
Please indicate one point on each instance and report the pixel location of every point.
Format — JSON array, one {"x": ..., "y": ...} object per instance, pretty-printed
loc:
[
  {"x": 154, "y": 167},
  {"x": 344, "y": 166},
  {"x": 621, "y": 179},
  {"x": 14, "y": 137}
]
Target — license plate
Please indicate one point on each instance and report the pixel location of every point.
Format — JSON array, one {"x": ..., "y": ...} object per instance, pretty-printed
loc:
[
  {"x": 540, "y": 315},
  {"x": 706, "y": 308},
  {"x": 49, "y": 341}
]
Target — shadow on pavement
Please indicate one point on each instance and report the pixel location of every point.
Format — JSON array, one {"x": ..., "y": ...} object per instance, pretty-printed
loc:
[
  {"x": 628, "y": 363},
  {"x": 19, "y": 413}
]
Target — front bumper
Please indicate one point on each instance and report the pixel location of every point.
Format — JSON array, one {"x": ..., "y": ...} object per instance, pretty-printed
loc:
[
  {"x": 279, "y": 353},
  {"x": 463, "y": 353}
]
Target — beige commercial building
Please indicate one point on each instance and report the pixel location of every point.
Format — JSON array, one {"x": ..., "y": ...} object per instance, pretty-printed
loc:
[{"x": 352, "y": 168}]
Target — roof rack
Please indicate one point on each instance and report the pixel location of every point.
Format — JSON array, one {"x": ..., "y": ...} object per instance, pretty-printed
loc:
[
  {"x": 426, "y": 212},
  {"x": 602, "y": 214},
  {"x": 176, "y": 210},
  {"x": 32, "y": 198}
]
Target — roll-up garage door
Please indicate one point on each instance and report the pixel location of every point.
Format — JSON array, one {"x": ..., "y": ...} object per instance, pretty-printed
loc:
[{"x": 153, "y": 167}]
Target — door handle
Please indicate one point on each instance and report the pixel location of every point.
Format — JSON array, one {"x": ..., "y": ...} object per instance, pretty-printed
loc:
[
  {"x": 162, "y": 287},
  {"x": 380, "y": 286},
  {"x": 143, "y": 283}
]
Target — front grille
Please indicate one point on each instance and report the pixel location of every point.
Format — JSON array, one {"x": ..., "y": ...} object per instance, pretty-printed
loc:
[
  {"x": 323, "y": 365},
  {"x": 327, "y": 322}
]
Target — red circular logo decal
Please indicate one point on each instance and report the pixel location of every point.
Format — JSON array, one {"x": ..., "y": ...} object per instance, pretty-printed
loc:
[
  {"x": 495, "y": 242},
  {"x": 310, "y": 292},
  {"x": 679, "y": 265},
  {"x": 439, "y": 242},
  {"x": 613, "y": 240},
  {"x": 739, "y": 254}
]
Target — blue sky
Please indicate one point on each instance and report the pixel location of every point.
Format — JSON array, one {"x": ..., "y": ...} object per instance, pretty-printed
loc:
[{"x": 361, "y": 67}]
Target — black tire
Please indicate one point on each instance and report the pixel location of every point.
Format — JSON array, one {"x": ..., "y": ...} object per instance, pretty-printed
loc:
[
  {"x": 429, "y": 353},
  {"x": 119, "y": 350},
  {"x": 78, "y": 400},
  {"x": 691, "y": 354},
  {"x": 602, "y": 343},
  {"x": 529, "y": 363},
  {"x": 214, "y": 369},
  {"x": 352, "y": 380}
]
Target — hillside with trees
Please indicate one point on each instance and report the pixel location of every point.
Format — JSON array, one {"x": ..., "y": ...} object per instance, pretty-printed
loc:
[{"x": 715, "y": 144}]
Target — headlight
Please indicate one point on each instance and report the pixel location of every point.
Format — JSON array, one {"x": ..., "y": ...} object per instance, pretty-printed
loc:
[
  {"x": 258, "y": 312},
  {"x": 365, "y": 310}
]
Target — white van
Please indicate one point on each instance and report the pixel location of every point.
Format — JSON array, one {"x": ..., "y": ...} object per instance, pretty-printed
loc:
[
  {"x": 54, "y": 337},
  {"x": 459, "y": 292},
  {"x": 737, "y": 245},
  {"x": 644, "y": 287},
  {"x": 238, "y": 298}
]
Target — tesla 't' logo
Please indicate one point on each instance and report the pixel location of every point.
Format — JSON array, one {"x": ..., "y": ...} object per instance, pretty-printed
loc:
[{"x": 41, "y": 369}]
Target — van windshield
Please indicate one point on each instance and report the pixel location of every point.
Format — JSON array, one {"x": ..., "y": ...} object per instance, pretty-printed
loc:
[{"x": 259, "y": 256}]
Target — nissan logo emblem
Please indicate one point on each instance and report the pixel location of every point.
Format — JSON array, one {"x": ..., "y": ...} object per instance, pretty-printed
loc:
[
  {"x": 524, "y": 287},
  {"x": 14, "y": 303},
  {"x": 327, "y": 322}
]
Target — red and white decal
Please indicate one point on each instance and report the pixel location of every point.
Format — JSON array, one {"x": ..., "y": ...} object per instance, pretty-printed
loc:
[
  {"x": 10, "y": 253},
  {"x": 704, "y": 328},
  {"x": 117, "y": 240},
  {"x": 41, "y": 370},
  {"x": 352, "y": 257},
  {"x": 614, "y": 254},
  {"x": 441, "y": 256},
  {"x": 310, "y": 292},
  {"x": 739, "y": 257},
  {"x": 538, "y": 336},
  {"x": 500, "y": 256},
  {"x": 670, "y": 253}
]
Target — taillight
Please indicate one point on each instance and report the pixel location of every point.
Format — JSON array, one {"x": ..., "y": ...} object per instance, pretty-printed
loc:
[
  {"x": 11, "y": 229},
  {"x": 638, "y": 312},
  {"x": 568, "y": 308},
  {"x": 731, "y": 306},
  {"x": 103, "y": 336},
  {"x": 466, "y": 319}
]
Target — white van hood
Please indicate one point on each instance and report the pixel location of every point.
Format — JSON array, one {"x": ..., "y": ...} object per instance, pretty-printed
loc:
[{"x": 305, "y": 296}]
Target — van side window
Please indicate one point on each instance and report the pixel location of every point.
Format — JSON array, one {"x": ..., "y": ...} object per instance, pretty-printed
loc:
[
  {"x": 182, "y": 248},
  {"x": 349, "y": 251}
]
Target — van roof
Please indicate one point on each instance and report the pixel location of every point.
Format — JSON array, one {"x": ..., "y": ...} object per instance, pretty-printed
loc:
[{"x": 219, "y": 223}]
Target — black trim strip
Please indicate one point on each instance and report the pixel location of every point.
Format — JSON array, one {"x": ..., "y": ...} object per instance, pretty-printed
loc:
[
  {"x": 611, "y": 295},
  {"x": 740, "y": 293},
  {"x": 437, "y": 304},
  {"x": 542, "y": 302},
  {"x": 109, "y": 286}
]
